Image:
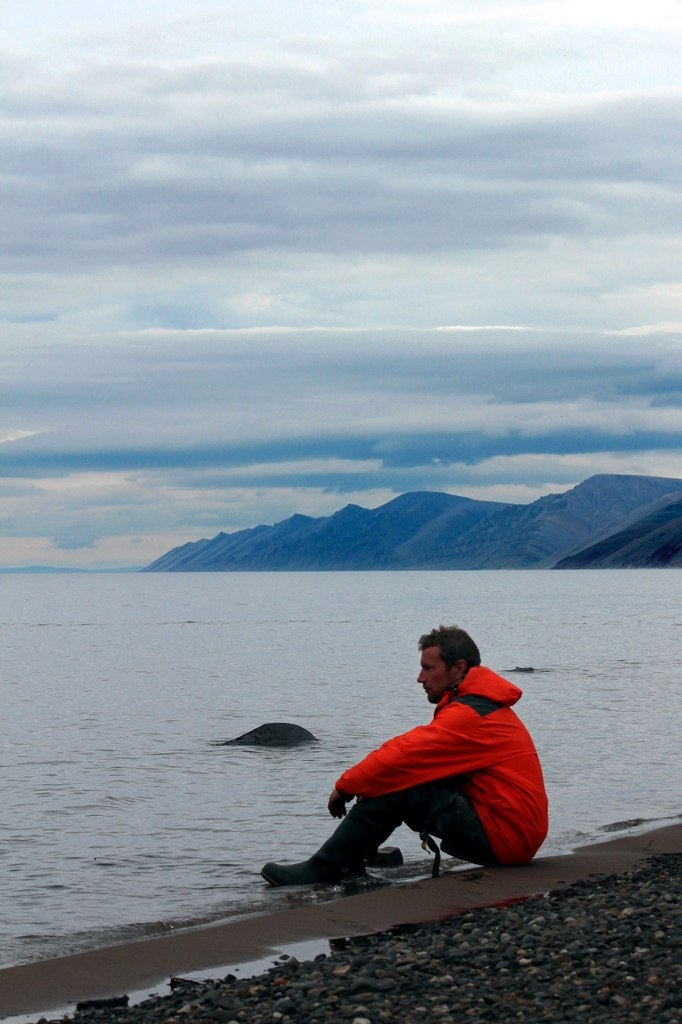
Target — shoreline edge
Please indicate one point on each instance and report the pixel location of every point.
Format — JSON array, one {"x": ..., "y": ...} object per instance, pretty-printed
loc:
[{"x": 36, "y": 988}]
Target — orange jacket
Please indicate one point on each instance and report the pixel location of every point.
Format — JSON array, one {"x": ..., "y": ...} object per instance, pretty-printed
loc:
[{"x": 482, "y": 741}]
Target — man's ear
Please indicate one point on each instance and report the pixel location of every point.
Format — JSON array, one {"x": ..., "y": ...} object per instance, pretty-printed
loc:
[{"x": 458, "y": 670}]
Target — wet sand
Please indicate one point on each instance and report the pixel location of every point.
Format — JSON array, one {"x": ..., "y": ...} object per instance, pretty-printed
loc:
[{"x": 55, "y": 984}]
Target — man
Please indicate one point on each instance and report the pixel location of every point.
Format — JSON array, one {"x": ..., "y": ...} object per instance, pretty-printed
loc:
[{"x": 471, "y": 776}]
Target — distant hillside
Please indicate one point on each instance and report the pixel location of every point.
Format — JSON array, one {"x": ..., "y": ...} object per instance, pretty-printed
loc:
[
  {"x": 433, "y": 530},
  {"x": 538, "y": 535},
  {"x": 652, "y": 542},
  {"x": 352, "y": 538}
]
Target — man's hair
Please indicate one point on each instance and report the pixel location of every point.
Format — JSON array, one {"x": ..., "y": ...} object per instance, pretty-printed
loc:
[{"x": 454, "y": 644}]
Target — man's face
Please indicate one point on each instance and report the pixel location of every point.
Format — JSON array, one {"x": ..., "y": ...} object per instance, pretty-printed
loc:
[{"x": 434, "y": 676}]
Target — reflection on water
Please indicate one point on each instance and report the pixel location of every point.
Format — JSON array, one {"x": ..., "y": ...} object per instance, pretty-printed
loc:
[{"x": 120, "y": 816}]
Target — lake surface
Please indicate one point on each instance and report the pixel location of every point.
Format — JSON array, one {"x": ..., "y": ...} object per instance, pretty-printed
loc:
[{"x": 121, "y": 818}]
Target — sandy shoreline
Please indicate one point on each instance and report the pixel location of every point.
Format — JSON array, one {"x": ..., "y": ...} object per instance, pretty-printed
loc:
[{"x": 39, "y": 987}]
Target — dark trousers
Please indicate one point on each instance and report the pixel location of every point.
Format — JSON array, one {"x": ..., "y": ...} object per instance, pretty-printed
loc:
[{"x": 438, "y": 808}]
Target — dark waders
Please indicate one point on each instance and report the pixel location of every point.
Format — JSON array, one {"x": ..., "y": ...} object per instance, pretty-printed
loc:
[{"x": 434, "y": 808}]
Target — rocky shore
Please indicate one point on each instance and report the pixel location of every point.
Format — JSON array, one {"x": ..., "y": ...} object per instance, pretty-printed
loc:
[{"x": 604, "y": 949}]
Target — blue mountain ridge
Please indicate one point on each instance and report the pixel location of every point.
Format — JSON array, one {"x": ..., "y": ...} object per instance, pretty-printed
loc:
[{"x": 436, "y": 530}]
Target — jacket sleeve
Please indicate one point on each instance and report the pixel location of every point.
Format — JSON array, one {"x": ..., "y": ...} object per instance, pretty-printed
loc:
[{"x": 451, "y": 744}]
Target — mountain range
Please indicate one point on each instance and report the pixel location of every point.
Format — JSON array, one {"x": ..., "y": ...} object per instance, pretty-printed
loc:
[{"x": 608, "y": 520}]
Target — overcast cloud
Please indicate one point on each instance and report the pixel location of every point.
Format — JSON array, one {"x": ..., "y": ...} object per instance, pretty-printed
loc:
[{"x": 269, "y": 258}]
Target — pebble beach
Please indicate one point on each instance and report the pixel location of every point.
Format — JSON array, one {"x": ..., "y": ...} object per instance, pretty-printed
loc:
[{"x": 604, "y": 947}]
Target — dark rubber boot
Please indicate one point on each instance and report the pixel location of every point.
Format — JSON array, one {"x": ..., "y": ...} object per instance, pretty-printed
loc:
[
  {"x": 342, "y": 856},
  {"x": 307, "y": 872}
]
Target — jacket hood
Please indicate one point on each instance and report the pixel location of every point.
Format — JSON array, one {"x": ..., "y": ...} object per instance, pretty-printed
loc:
[{"x": 486, "y": 683}]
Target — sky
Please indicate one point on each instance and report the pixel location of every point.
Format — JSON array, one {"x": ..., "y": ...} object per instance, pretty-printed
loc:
[{"x": 264, "y": 258}]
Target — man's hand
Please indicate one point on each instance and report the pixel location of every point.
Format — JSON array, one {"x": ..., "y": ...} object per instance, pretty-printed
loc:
[{"x": 337, "y": 804}]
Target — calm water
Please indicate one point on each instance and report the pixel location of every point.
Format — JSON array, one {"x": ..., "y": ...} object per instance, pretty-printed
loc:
[{"x": 120, "y": 818}]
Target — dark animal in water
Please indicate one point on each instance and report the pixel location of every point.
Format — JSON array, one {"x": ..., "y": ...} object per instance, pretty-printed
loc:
[{"x": 272, "y": 734}]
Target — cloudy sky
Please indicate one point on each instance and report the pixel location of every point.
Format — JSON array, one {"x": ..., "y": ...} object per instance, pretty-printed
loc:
[{"x": 268, "y": 257}]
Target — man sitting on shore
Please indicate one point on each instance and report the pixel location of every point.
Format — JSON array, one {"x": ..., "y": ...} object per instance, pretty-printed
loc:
[{"x": 471, "y": 776}]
